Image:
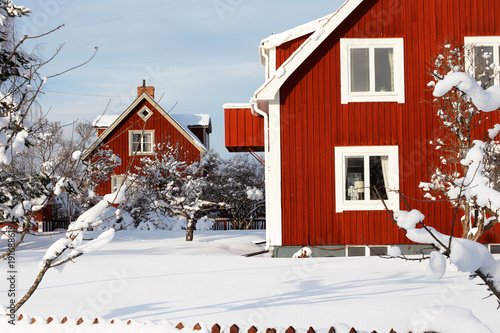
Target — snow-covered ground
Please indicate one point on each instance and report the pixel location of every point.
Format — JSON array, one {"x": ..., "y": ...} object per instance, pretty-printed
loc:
[{"x": 156, "y": 275}]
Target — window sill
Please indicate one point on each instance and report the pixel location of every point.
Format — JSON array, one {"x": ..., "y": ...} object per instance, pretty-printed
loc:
[
  {"x": 141, "y": 154},
  {"x": 365, "y": 206},
  {"x": 368, "y": 98}
]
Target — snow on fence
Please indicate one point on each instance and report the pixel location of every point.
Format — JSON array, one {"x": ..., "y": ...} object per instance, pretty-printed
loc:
[{"x": 25, "y": 324}]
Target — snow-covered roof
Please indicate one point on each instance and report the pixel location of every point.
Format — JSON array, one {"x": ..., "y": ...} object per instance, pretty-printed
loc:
[
  {"x": 291, "y": 34},
  {"x": 104, "y": 121},
  {"x": 186, "y": 120}
]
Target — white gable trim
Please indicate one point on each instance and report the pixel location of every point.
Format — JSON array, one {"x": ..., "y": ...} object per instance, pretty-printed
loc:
[
  {"x": 271, "y": 87},
  {"x": 144, "y": 96}
]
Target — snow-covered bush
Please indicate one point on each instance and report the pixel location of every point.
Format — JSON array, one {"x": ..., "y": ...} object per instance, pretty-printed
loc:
[
  {"x": 474, "y": 187},
  {"x": 153, "y": 221},
  {"x": 205, "y": 223},
  {"x": 458, "y": 115},
  {"x": 169, "y": 186},
  {"x": 239, "y": 183}
]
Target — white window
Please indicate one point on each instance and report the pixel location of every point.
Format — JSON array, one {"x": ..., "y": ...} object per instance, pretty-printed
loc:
[
  {"x": 483, "y": 59},
  {"x": 145, "y": 113},
  {"x": 372, "y": 70},
  {"x": 141, "y": 142},
  {"x": 363, "y": 175},
  {"x": 116, "y": 182}
]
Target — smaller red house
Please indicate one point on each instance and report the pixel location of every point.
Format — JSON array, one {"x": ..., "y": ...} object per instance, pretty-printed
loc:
[{"x": 143, "y": 125}]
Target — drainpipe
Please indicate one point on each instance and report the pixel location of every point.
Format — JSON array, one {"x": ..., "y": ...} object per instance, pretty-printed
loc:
[{"x": 256, "y": 110}]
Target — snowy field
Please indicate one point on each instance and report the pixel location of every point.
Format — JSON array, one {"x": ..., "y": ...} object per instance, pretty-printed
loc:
[{"x": 156, "y": 275}]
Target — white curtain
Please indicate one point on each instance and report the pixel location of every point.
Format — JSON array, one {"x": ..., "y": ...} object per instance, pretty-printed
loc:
[
  {"x": 385, "y": 171},
  {"x": 391, "y": 63}
]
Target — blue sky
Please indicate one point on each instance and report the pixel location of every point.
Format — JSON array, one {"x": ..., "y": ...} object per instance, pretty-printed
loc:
[{"x": 199, "y": 54}]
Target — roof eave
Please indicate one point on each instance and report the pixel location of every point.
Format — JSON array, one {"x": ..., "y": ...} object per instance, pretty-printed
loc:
[{"x": 271, "y": 87}]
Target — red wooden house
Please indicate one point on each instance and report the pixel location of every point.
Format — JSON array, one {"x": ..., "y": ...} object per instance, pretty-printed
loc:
[
  {"x": 341, "y": 109},
  {"x": 143, "y": 125}
]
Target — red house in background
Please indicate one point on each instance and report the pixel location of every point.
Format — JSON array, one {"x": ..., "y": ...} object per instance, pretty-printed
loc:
[
  {"x": 144, "y": 124},
  {"x": 341, "y": 109}
]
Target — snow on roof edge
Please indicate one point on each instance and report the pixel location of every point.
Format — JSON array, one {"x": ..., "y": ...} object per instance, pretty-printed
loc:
[
  {"x": 237, "y": 106},
  {"x": 104, "y": 121},
  {"x": 194, "y": 119},
  {"x": 291, "y": 34},
  {"x": 268, "y": 90}
]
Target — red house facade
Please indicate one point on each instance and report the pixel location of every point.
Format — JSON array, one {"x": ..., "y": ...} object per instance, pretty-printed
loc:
[
  {"x": 140, "y": 128},
  {"x": 342, "y": 109}
]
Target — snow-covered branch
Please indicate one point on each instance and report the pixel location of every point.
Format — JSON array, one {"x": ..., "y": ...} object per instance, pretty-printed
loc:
[
  {"x": 485, "y": 100},
  {"x": 466, "y": 255}
]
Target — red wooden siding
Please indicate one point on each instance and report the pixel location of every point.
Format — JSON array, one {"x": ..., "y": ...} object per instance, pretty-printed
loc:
[
  {"x": 243, "y": 130},
  {"x": 164, "y": 132},
  {"x": 288, "y": 48},
  {"x": 314, "y": 122}
]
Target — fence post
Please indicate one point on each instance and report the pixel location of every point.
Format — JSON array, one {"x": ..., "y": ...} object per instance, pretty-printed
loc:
[{"x": 216, "y": 328}]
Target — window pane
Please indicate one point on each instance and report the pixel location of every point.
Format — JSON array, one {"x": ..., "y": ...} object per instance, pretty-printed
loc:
[
  {"x": 116, "y": 183},
  {"x": 355, "y": 177},
  {"x": 384, "y": 69},
  {"x": 135, "y": 142},
  {"x": 360, "y": 70},
  {"x": 482, "y": 59},
  {"x": 147, "y": 141},
  {"x": 379, "y": 177}
]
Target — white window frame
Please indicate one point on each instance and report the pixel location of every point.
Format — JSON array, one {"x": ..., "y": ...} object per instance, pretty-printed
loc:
[
  {"x": 149, "y": 113},
  {"x": 347, "y": 44},
  {"x": 116, "y": 182},
  {"x": 493, "y": 41},
  {"x": 144, "y": 134},
  {"x": 341, "y": 153}
]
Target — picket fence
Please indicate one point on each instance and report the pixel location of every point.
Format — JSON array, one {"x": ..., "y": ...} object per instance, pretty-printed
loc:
[{"x": 182, "y": 328}]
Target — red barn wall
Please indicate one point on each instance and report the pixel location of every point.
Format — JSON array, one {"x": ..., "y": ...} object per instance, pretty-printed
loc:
[
  {"x": 165, "y": 132},
  {"x": 313, "y": 120}
]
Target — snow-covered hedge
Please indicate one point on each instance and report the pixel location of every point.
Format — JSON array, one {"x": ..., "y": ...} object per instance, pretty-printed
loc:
[{"x": 154, "y": 221}]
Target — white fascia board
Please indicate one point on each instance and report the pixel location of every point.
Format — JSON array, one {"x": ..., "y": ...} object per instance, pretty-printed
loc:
[{"x": 270, "y": 88}]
